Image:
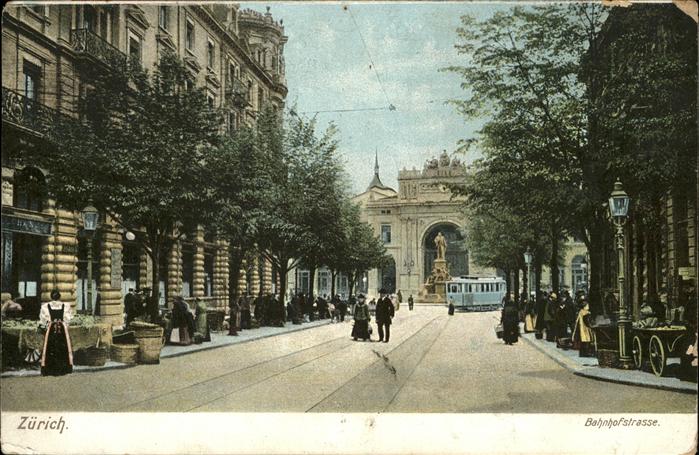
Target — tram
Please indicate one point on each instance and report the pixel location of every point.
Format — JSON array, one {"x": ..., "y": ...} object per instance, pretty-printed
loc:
[{"x": 472, "y": 293}]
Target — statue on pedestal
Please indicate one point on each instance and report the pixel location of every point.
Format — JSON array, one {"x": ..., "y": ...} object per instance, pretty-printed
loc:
[{"x": 441, "y": 244}]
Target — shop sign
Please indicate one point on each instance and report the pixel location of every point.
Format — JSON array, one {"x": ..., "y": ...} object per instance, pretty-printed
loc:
[{"x": 25, "y": 226}]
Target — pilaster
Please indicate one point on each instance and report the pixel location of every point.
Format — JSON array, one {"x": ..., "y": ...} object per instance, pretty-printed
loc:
[
  {"x": 111, "y": 307},
  {"x": 198, "y": 266},
  {"x": 61, "y": 267}
]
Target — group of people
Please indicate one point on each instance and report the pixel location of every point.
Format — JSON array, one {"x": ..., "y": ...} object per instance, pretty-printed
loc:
[
  {"x": 302, "y": 308},
  {"x": 385, "y": 311},
  {"x": 562, "y": 320},
  {"x": 135, "y": 303}
]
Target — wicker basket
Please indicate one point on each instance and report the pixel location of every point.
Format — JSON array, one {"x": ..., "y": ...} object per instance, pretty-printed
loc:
[
  {"x": 150, "y": 346},
  {"x": 92, "y": 356},
  {"x": 125, "y": 353},
  {"x": 146, "y": 330},
  {"x": 607, "y": 358}
]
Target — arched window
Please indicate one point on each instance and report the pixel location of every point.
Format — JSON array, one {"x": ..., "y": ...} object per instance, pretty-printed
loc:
[{"x": 29, "y": 189}]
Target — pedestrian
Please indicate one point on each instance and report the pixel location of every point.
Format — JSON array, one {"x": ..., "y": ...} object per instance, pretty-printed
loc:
[
  {"x": 233, "y": 317},
  {"x": 202, "y": 321},
  {"x": 182, "y": 323},
  {"x": 559, "y": 324},
  {"x": 384, "y": 312},
  {"x": 349, "y": 305},
  {"x": 245, "y": 313},
  {"x": 129, "y": 307},
  {"x": 540, "y": 323},
  {"x": 57, "y": 353},
  {"x": 583, "y": 336},
  {"x": 550, "y": 316},
  {"x": 451, "y": 306},
  {"x": 257, "y": 306},
  {"x": 411, "y": 301},
  {"x": 361, "y": 320},
  {"x": 529, "y": 316},
  {"x": 510, "y": 321},
  {"x": 334, "y": 312}
]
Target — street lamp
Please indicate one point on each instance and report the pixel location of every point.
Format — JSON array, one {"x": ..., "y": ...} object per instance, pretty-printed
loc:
[
  {"x": 408, "y": 264},
  {"x": 528, "y": 261},
  {"x": 618, "y": 209},
  {"x": 90, "y": 221}
]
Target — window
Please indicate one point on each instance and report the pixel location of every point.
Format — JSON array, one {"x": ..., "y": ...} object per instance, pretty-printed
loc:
[
  {"x": 232, "y": 122},
  {"x": 134, "y": 47},
  {"x": 90, "y": 18},
  {"x": 250, "y": 91},
  {"x": 211, "y": 99},
  {"x": 260, "y": 98},
  {"x": 386, "y": 233},
  {"x": 231, "y": 72},
  {"x": 189, "y": 35},
  {"x": 163, "y": 17},
  {"x": 32, "y": 78},
  {"x": 29, "y": 189},
  {"x": 211, "y": 54},
  {"x": 189, "y": 84}
]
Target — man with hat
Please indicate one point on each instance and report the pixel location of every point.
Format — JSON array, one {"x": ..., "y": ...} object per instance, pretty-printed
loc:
[{"x": 384, "y": 312}]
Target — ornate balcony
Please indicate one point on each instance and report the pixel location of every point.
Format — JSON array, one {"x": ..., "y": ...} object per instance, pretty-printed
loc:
[
  {"x": 88, "y": 43},
  {"x": 26, "y": 112},
  {"x": 236, "y": 93}
]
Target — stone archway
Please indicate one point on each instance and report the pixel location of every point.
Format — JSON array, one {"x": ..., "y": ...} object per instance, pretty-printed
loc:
[{"x": 457, "y": 254}]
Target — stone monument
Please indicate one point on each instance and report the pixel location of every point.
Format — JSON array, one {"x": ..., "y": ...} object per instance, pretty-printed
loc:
[{"x": 435, "y": 290}]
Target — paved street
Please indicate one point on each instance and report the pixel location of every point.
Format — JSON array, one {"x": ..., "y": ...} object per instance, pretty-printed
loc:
[{"x": 434, "y": 363}]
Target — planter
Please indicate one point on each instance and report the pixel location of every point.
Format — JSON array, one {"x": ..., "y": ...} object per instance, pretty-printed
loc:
[
  {"x": 125, "y": 353},
  {"x": 149, "y": 338},
  {"x": 92, "y": 356},
  {"x": 607, "y": 358}
]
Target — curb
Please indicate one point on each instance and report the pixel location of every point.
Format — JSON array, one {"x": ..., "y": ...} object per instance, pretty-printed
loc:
[
  {"x": 122, "y": 366},
  {"x": 593, "y": 373},
  {"x": 208, "y": 348}
]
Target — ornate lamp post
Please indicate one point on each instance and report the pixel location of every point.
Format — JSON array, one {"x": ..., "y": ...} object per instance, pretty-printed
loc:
[
  {"x": 408, "y": 264},
  {"x": 528, "y": 261},
  {"x": 618, "y": 209},
  {"x": 90, "y": 221}
]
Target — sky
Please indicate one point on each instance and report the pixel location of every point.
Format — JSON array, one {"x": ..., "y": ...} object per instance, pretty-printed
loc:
[{"x": 328, "y": 67}]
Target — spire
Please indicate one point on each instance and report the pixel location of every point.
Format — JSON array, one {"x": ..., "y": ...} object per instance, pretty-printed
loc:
[{"x": 376, "y": 181}]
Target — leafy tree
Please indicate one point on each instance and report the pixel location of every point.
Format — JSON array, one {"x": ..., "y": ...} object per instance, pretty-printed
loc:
[
  {"x": 296, "y": 159},
  {"x": 140, "y": 150}
]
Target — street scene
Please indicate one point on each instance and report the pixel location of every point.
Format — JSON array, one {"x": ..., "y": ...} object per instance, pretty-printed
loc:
[
  {"x": 457, "y": 208},
  {"x": 433, "y": 363}
]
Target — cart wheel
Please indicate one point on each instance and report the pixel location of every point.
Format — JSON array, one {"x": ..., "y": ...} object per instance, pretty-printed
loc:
[
  {"x": 657, "y": 355},
  {"x": 637, "y": 353}
]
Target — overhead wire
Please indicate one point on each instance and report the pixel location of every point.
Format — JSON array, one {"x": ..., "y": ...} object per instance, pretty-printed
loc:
[{"x": 391, "y": 107}]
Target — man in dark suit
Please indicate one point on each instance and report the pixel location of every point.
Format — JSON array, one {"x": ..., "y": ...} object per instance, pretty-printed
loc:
[{"x": 384, "y": 312}]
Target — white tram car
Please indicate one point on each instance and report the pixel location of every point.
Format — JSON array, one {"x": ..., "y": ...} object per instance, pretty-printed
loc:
[{"x": 472, "y": 293}]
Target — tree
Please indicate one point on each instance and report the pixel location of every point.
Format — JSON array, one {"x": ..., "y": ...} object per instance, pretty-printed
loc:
[
  {"x": 523, "y": 76},
  {"x": 295, "y": 159},
  {"x": 140, "y": 150}
]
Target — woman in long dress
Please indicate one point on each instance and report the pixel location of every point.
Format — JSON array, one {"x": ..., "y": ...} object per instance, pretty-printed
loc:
[
  {"x": 182, "y": 323},
  {"x": 57, "y": 354},
  {"x": 361, "y": 320},
  {"x": 510, "y": 322}
]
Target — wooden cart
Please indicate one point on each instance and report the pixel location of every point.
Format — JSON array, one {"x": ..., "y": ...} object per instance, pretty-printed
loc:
[{"x": 656, "y": 345}]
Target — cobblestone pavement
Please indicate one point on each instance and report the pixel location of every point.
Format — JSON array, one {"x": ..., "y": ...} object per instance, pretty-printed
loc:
[{"x": 433, "y": 363}]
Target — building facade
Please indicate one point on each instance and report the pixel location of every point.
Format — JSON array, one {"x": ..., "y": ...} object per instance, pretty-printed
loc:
[
  {"x": 236, "y": 55},
  {"x": 408, "y": 220}
]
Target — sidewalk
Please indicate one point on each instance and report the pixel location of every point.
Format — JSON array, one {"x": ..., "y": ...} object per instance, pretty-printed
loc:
[
  {"x": 588, "y": 367},
  {"x": 218, "y": 340}
]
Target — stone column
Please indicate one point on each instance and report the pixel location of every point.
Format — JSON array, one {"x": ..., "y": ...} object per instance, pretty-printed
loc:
[
  {"x": 174, "y": 272},
  {"x": 111, "y": 307},
  {"x": 59, "y": 269},
  {"x": 242, "y": 278},
  {"x": 145, "y": 269},
  {"x": 255, "y": 276},
  {"x": 220, "y": 278},
  {"x": 198, "y": 258},
  {"x": 266, "y": 276}
]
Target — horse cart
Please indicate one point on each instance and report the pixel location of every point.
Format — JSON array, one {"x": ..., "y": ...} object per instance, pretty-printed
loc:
[{"x": 656, "y": 345}]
